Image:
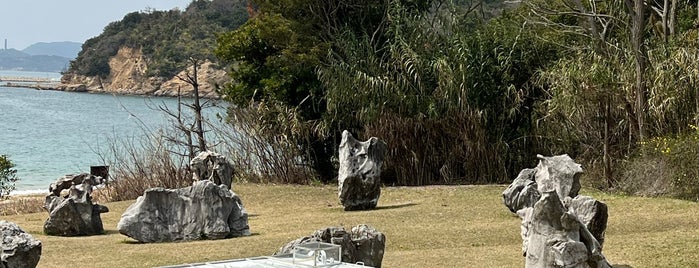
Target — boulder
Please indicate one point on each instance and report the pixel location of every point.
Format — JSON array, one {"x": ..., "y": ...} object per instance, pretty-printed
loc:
[
  {"x": 19, "y": 249},
  {"x": 359, "y": 178},
  {"x": 362, "y": 244},
  {"x": 212, "y": 166},
  {"x": 73, "y": 214},
  {"x": 202, "y": 211},
  {"x": 559, "y": 228}
]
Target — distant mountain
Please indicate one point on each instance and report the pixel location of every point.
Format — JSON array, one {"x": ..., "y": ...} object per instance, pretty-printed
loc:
[
  {"x": 12, "y": 59},
  {"x": 64, "y": 49}
]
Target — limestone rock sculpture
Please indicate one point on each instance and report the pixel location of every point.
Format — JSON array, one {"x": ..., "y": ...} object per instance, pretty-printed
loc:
[
  {"x": 359, "y": 178},
  {"x": 73, "y": 214},
  {"x": 212, "y": 166},
  {"x": 202, "y": 211},
  {"x": 19, "y": 249},
  {"x": 362, "y": 244},
  {"x": 559, "y": 228},
  {"x": 522, "y": 193}
]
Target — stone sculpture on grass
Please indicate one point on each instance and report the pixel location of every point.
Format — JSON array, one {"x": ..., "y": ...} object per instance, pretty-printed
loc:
[
  {"x": 18, "y": 248},
  {"x": 206, "y": 210},
  {"x": 202, "y": 211},
  {"x": 73, "y": 214},
  {"x": 359, "y": 178},
  {"x": 559, "y": 227},
  {"x": 362, "y": 244}
]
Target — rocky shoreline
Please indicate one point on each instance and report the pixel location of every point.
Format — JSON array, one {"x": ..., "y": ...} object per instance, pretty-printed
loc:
[{"x": 128, "y": 75}]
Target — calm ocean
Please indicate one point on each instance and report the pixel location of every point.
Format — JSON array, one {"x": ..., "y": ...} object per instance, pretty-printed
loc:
[{"x": 48, "y": 134}]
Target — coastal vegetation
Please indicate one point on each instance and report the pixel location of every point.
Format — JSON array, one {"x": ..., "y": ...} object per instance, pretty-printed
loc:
[
  {"x": 465, "y": 97},
  {"x": 8, "y": 176},
  {"x": 463, "y": 92}
]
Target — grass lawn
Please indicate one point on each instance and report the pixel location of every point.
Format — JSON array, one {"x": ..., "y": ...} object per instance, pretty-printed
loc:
[{"x": 440, "y": 226}]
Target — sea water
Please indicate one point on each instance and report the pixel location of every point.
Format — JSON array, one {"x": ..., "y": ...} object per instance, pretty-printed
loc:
[{"x": 47, "y": 134}]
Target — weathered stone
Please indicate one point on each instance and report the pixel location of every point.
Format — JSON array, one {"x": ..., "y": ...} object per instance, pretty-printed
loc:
[
  {"x": 19, "y": 249},
  {"x": 202, "y": 211},
  {"x": 560, "y": 229},
  {"x": 522, "y": 193},
  {"x": 592, "y": 213},
  {"x": 362, "y": 244},
  {"x": 553, "y": 237},
  {"x": 359, "y": 178},
  {"x": 80, "y": 183},
  {"x": 212, "y": 166},
  {"x": 73, "y": 214},
  {"x": 559, "y": 173},
  {"x": 68, "y": 217}
]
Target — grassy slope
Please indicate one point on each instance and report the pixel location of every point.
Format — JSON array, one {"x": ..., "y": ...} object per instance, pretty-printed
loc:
[{"x": 461, "y": 226}]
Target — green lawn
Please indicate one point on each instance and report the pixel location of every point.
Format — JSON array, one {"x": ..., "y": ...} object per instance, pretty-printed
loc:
[{"x": 440, "y": 226}]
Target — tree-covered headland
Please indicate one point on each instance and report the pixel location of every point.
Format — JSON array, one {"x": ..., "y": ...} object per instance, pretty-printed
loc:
[{"x": 166, "y": 38}]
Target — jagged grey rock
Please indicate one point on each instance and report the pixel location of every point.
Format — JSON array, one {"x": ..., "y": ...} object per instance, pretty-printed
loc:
[
  {"x": 202, "y": 211},
  {"x": 212, "y": 166},
  {"x": 362, "y": 244},
  {"x": 19, "y": 249},
  {"x": 359, "y": 178},
  {"x": 560, "y": 229},
  {"x": 559, "y": 173},
  {"x": 78, "y": 185},
  {"x": 592, "y": 213},
  {"x": 74, "y": 214},
  {"x": 522, "y": 193}
]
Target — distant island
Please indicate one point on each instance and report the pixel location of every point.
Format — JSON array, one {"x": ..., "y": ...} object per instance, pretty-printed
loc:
[{"x": 40, "y": 57}]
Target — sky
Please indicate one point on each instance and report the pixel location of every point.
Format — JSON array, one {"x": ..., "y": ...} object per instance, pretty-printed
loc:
[{"x": 25, "y": 22}]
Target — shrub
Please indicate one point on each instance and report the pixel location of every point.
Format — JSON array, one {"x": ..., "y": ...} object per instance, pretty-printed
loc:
[
  {"x": 264, "y": 152},
  {"x": 8, "y": 176},
  {"x": 138, "y": 165},
  {"x": 668, "y": 166},
  {"x": 448, "y": 150}
]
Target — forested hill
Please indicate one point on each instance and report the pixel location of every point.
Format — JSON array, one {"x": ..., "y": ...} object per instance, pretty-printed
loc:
[{"x": 166, "y": 38}]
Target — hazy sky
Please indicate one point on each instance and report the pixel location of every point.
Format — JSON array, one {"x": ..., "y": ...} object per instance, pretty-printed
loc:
[{"x": 25, "y": 22}]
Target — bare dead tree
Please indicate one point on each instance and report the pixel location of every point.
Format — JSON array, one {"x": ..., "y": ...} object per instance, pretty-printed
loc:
[
  {"x": 189, "y": 128},
  {"x": 180, "y": 123},
  {"x": 193, "y": 80}
]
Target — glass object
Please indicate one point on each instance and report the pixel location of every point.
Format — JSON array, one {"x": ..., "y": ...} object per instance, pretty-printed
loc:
[{"x": 317, "y": 254}]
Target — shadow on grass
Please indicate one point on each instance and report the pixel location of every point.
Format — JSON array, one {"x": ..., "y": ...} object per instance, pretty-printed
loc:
[
  {"x": 621, "y": 266},
  {"x": 110, "y": 232},
  {"x": 397, "y": 206}
]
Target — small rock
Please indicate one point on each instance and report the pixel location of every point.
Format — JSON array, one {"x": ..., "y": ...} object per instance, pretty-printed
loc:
[
  {"x": 19, "y": 249},
  {"x": 212, "y": 166},
  {"x": 362, "y": 244}
]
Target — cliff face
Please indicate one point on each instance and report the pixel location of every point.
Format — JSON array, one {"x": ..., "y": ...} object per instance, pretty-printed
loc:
[{"x": 128, "y": 76}]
